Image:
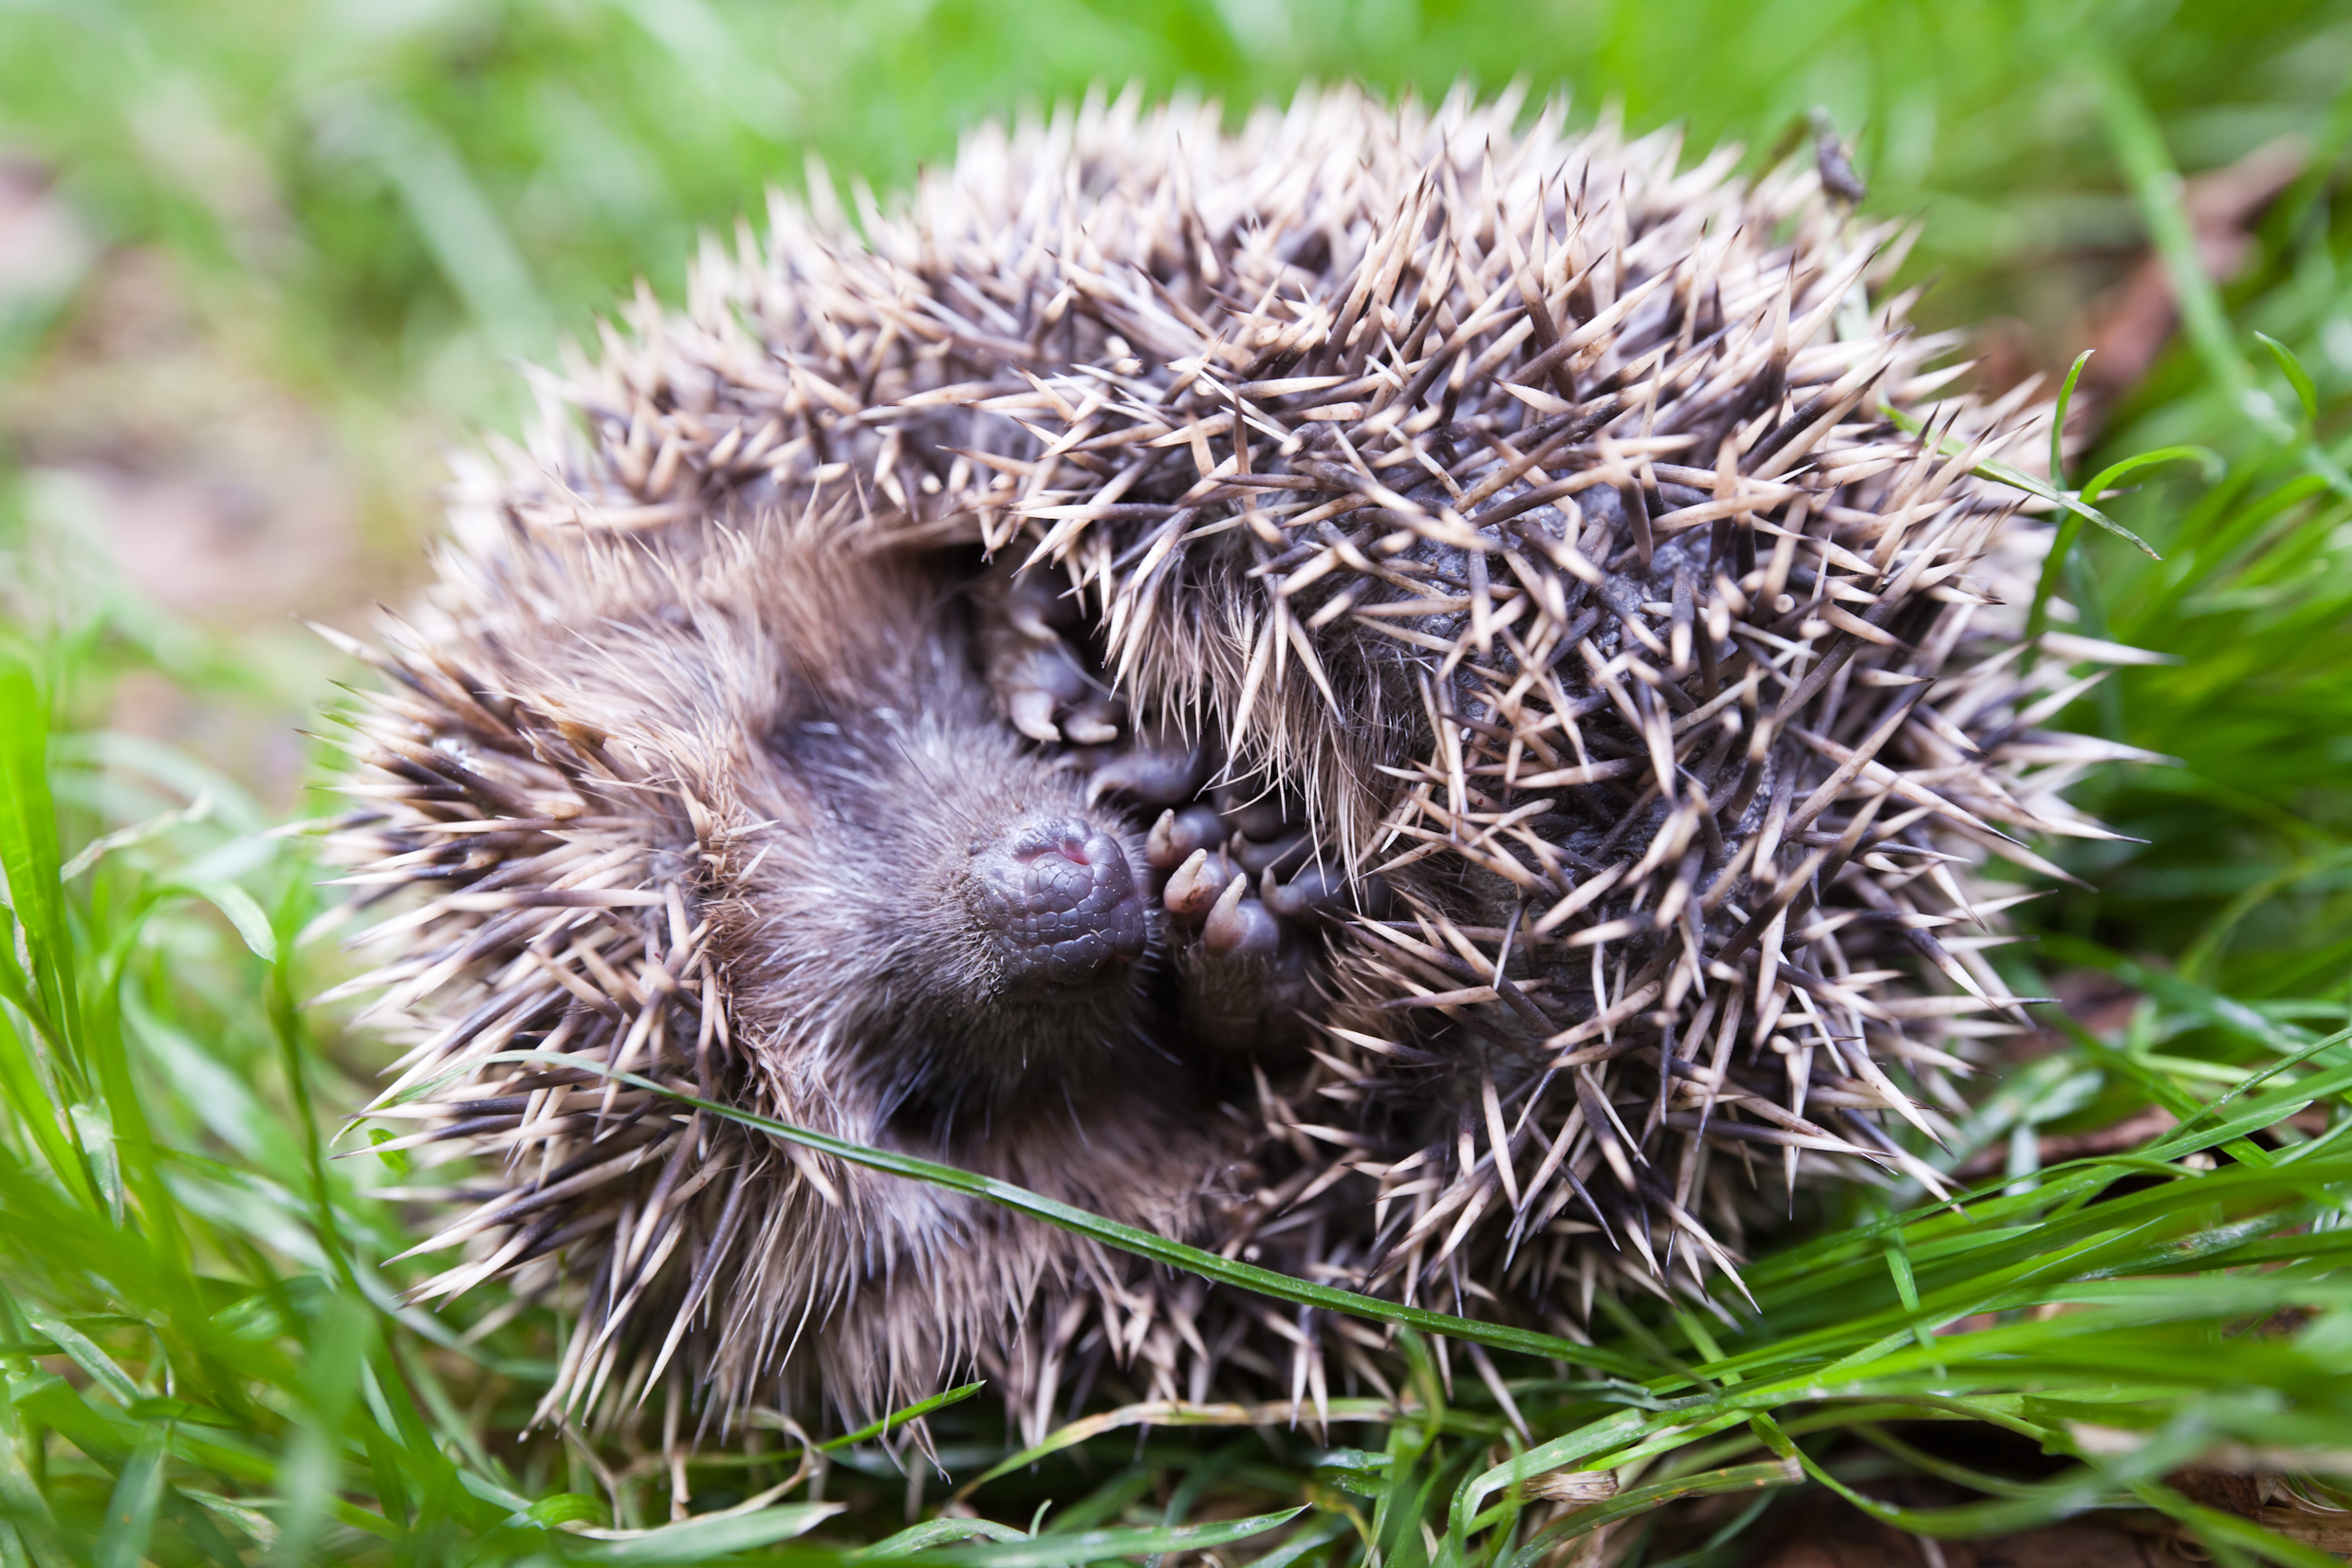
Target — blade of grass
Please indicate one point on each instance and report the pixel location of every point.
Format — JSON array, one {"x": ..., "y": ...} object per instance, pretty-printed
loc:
[
  {"x": 935, "y": 1532},
  {"x": 2070, "y": 528},
  {"x": 1122, "y": 1238},
  {"x": 131, "y": 1511},
  {"x": 2157, "y": 187},
  {"x": 900, "y": 1417},
  {"x": 1059, "y": 1551},
  {"x": 2215, "y": 1528},
  {"x": 1163, "y": 1412},
  {"x": 698, "y": 1540},
  {"x": 2298, "y": 378},
  {"x": 28, "y": 855},
  {"x": 2058, "y": 421},
  {"x": 1738, "y": 1478},
  {"x": 2017, "y": 479}
]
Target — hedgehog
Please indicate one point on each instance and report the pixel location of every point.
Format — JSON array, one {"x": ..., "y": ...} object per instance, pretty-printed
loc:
[{"x": 1409, "y": 694}]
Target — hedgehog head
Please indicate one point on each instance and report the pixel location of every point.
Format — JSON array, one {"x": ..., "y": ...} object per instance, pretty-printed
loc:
[{"x": 938, "y": 904}]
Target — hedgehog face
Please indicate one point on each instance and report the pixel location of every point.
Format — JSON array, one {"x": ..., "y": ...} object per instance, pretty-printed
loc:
[{"x": 935, "y": 904}]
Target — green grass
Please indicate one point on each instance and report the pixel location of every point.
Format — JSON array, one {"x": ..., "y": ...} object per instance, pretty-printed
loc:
[{"x": 203, "y": 1354}]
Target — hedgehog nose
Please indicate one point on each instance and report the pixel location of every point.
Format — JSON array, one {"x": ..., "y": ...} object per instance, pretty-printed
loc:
[{"x": 1062, "y": 901}]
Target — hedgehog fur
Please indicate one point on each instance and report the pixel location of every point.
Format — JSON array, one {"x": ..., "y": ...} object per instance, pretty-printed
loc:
[{"x": 1380, "y": 694}]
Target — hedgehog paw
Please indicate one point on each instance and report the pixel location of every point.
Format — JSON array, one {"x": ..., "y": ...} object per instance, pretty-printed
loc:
[
  {"x": 1041, "y": 682},
  {"x": 1248, "y": 983}
]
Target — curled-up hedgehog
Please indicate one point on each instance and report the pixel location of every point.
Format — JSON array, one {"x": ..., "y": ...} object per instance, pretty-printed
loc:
[{"x": 1395, "y": 694}]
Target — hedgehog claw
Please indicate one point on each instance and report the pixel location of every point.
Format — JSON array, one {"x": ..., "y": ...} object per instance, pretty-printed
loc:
[
  {"x": 1032, "y": 670},
  {"x": 1193, "y": 891},
  {"x": 1250, "y": 996},
  {"x": 1240, "y": 926},
  {"x": 1093, "y": 723},
  {"x": 1272, "y": 854},
  {"x": 1253, "y": 813},
  {"x": 1179, "y": 835},
  {"x": 1157, "y": 769},
  {"x": 1312, "y": 895},
  {"x": 1032, "y": 713}
]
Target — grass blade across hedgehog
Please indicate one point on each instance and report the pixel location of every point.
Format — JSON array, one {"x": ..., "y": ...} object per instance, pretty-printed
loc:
[{"x": 1379, "y": 694}]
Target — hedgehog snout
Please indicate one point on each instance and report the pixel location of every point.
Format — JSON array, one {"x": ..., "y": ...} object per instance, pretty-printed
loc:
[{"x": 1062, "y": 902}]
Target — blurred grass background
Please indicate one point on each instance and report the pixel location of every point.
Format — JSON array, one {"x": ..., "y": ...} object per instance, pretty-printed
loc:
[
  {"x": 273, "y": 257},
  {"x": 262, "y": 262}
]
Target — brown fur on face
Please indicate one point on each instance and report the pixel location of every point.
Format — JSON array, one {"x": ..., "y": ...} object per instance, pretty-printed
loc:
[
  {"x": 887, "y": 939},
  {"x": 796, "y": 732}
]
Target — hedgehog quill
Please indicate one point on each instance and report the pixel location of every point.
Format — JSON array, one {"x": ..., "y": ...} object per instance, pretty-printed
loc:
[{"x": 1380, "y": 694}]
